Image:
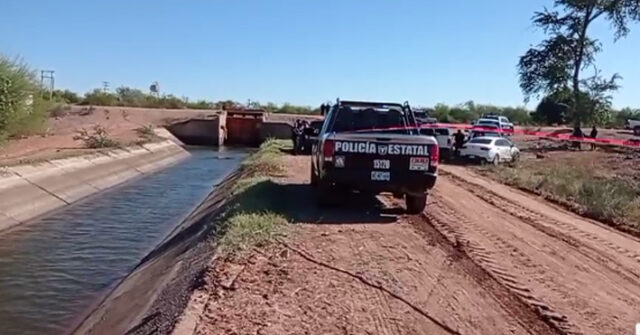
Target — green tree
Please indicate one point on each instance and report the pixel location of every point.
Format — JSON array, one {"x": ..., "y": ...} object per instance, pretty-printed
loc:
[
  {"x": 200, "y": 104},
  {"x": 65, "y": 96},
  {"x": 550, "y": 112},
  {"x": 557, "y": 63},
  {"x": 441, "y": 113},
  {"x": 132, "y": 97}
]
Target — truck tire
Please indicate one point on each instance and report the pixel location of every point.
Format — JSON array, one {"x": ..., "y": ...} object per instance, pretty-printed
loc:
[
  {"x": 415, "y": 203},
  {"x": 496, "y": 160},
  {"x": 636, "y": 131},
  {"x": 314, "y": 178}
]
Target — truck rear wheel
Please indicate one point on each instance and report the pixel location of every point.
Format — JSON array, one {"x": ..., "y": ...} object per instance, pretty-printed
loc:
[
  {"x": 636, "y": 131},
  {"x": 415, "y": 203}
]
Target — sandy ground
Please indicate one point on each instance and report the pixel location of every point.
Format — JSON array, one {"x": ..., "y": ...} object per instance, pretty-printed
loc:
[{"x": 483, "y": 259}]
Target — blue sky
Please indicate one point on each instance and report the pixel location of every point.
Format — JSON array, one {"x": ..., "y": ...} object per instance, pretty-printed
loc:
[{"x": 303, "y": 52}]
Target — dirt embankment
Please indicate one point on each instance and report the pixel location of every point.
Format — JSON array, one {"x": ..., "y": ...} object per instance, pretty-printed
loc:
[
  {"x": 57, "y": 139},
  {"x": 484, "y": 259},
  {"x": 121, "y": 123}
]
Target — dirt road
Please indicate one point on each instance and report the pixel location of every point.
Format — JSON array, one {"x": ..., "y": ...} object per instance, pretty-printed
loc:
[
  {"x": 585, "y": 274},
  {"x": 484, "y": 260}
]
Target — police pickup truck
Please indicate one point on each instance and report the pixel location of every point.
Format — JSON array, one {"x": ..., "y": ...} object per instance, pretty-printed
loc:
[{"x": 374, "y": 147}]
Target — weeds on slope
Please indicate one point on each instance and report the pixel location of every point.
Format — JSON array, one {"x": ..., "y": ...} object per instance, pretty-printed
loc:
[
  {"x": 250, "y": 223},
  {"x": 612, "y": 200},
  {"x": 96, "y": 138}
]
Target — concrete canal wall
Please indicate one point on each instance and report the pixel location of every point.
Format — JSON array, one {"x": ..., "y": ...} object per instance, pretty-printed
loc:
[
  {"x": 30, "y": 190},
  {"x": 152, "y": 297},
  {"x": 229, "y": 128}
]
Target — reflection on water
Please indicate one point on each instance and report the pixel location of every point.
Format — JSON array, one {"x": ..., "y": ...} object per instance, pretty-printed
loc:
[{"x": 52, "y": 269}]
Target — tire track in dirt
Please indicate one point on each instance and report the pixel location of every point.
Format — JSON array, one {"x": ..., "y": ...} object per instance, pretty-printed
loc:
[
  {"x": 361, "y": 269},
  {"x": 564, "y": 278},
  {"x": 443, "y": 219},
  {"x": 549, "y": 226}
]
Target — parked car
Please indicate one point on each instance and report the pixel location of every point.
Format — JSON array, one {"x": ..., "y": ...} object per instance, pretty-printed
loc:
[
  {"x": 374, "y": 147},
  {"x": 501, "y": 122},
  {"x": 635, "y": 126},
  {"x": 486, "y": 131},
  {"x": 494, "y": 150}
]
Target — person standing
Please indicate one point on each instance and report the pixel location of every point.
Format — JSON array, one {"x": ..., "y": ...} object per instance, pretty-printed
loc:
[
  {"x": 458, "y": 142},
  {"x": 593, "y": 135},
  {"x": 577, "y": 133}
]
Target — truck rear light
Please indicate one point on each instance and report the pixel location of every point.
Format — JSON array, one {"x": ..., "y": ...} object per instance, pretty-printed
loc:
[
  {"x": 434, "y": 153},
  {"x": 328, "y": 149}
]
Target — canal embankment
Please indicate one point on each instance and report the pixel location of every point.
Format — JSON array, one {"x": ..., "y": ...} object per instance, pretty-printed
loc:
[
  {"x": 153, "y": 296},
  {"x": 31, "y": 190}
]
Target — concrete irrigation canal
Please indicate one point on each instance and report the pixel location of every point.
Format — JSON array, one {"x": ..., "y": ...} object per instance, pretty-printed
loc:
[{"x": 56, "y": 267}]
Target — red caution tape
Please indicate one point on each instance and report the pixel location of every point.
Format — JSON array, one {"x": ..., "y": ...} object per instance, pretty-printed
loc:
[{"x": 632, "y": 143}]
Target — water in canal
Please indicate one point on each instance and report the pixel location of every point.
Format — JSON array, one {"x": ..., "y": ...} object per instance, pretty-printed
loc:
[{"x": 52, "y": 269}]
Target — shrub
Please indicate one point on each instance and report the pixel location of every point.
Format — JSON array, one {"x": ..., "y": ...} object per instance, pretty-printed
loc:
[
  {"x": 100, "y": 98},
  {"x": 200, "y": 104},
  {"x": 147, "y": 134},
  {"x": 22, "y": 109},
  {"x": 96, "y": 139},
  {"x": 59, "y": 109}
]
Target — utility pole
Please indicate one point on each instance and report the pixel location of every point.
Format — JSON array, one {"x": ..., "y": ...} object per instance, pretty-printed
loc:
[
  {"x": 48, "y": 76},
  {"x": 105, "y": 86}
]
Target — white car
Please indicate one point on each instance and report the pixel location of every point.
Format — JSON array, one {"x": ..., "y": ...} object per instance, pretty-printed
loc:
[
  {"x": 494, "y": 150},
  {"x": 635, "y": 126},
  {"x": 496, "y": 121}
]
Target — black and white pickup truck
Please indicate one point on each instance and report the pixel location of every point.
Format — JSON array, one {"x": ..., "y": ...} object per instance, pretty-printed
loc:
[{"x": 374, "y": 147}]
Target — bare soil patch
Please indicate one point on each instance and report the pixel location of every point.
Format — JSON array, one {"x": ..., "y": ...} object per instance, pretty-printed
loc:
[{"x": 364, "y": 268}]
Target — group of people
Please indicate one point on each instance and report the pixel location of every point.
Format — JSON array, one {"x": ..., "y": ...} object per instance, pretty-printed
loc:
[
  {"x": 324, "y": 109},
  {"x": 297, "y": 135},
  {"x": 577, "y": 132}
]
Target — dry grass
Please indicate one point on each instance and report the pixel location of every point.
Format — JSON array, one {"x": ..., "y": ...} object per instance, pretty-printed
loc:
[
  {"x": 248, "y": 230},
  {"x": 249, "y": 223},
  {"x": 613, "y": 200}
]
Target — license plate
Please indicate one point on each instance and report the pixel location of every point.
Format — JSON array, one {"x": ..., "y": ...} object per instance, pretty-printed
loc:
[
  {"x": 419, "y": 164},
  {"x": 380, "y": 175},
  {"x": 382, "y": 164}
]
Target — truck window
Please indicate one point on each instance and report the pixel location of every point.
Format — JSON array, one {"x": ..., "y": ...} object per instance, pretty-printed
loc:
[
  {"x": 427, "y": 131},
  {"x": 361, "y": 119}
]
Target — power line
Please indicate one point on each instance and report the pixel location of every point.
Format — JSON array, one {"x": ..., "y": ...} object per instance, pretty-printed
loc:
[{"x": 105, "y": 86}]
